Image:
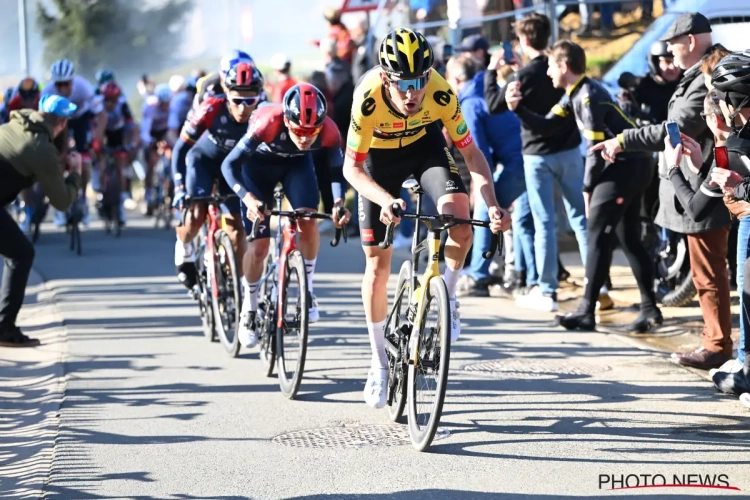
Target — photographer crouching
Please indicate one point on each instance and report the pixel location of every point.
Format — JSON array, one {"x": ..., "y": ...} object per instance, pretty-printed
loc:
[{"x": 28, "y": 155}]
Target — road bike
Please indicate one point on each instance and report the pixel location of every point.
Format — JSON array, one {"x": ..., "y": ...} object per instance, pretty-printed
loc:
[
  {"x": 284, "y": 300},
  {"x": 163, "y": 192},
  {"x": 419, "y": 349},
  {"x": 218, "y": 286},
  {"x": 111, "y": 193}
]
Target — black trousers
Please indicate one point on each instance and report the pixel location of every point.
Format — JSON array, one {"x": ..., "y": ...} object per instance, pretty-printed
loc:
[
  {"x": 614, "y": 214},
  {"x": 18, "y": 253}
]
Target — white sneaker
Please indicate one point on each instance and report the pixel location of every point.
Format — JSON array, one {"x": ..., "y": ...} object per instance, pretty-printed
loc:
[
  {"x": 745, "y": 399},
  {"x": 183, "y": 253},
  {"x": 313, "y": 315},
  {"x": 60, "y": 219},
  {"x": 455, "y": 320},
  {"x": 248, "y": 337},
  {"x": 535, "y": 299},
  {"x": 731, "y": 366},
  {"x": 377, "y": 382},
  {"x": 400, "y": 241}
]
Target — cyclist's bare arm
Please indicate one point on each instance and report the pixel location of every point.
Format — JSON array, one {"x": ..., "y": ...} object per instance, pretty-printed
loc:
[{"x": 356, "y": 176}]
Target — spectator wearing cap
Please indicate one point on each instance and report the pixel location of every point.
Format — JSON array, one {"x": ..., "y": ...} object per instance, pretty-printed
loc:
[
  {"x": 499, "y": 138},
  {"x": 689, "y": 39},
  {"x": 282, "y": 69},
  {"x": 478, "y": 48},
  {"x": 28, "y": 155}
]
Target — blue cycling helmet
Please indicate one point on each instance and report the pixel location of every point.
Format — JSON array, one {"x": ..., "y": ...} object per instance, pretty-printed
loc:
[
  {"x": 232, "y": 59},
  {"x": 105, "y": 75}
]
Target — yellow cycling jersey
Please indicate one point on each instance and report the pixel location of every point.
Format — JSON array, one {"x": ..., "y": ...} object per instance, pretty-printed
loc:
[{"x": 376, "y": 123}]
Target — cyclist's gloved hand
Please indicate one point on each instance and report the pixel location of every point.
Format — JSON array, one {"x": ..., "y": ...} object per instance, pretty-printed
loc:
[
  {"x": 386, "y": 213},
  {"x": 499, "y": 219},
  {"x": 179, "y": 197}
]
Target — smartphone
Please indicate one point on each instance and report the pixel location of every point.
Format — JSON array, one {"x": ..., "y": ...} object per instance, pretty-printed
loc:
[
  {"x": 674, "y": 133},
  {"x": 721, "y": 156},
  {"x": 447, "y": 51},
  {"x": 508, "y": 52}
]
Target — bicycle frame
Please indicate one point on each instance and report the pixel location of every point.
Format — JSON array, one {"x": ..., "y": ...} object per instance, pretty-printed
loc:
[{"x": 214, "y": 216}]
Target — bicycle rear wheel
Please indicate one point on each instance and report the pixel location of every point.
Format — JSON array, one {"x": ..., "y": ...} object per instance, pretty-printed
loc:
[
  {"x": 291, "y": 338},
  {"x": 205, "y": 303},
  {"x": 428, "y": 379},
  {"x": 398, "y": 368},
  {"x": 227, "y": 303}
]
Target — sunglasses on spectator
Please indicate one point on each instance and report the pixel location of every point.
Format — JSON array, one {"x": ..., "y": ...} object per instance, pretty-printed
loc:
[
  {"x": 416, "y": 83},
  {"x": 305, "y": 131},
  {"x": 246, "y": 101}
]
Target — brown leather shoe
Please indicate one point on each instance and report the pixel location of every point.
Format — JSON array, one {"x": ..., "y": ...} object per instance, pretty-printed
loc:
[{"x": 701, "y": 358}]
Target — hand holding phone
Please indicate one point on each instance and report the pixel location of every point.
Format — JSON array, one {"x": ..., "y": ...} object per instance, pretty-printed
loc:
[
  {"x": 508, "y": 52},
  {"x": 673, "y": 131}
]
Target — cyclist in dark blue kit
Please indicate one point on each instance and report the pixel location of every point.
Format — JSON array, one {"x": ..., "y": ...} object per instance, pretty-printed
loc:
[
  {"x": 278, "y": 148},
  {"x": 197, "y": 159}
]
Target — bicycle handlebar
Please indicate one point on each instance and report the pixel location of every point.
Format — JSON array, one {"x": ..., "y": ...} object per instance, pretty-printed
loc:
[
  {"x": 446, "y": 221},
  {"x": 301, "y": 214}
]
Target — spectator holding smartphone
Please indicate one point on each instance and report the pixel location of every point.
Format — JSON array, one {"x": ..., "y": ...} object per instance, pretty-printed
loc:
[{"x": 550, "y": 157}]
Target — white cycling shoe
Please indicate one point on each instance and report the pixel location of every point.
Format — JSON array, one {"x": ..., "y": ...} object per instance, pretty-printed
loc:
[
  {"x": 455, "y": 320},
  {"x": 313, "y": 314},
  {"x": 375, "y": 388},
  {"x": 247, "y": 335}
]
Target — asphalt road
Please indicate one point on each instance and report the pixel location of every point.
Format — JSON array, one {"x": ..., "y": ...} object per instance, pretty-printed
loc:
[{"x": 152, "y": 410}]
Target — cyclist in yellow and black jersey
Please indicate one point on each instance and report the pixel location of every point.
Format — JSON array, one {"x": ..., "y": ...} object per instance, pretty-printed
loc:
[
  {"x": 394, "y": 135},
  {"x": 610, "y": 189}
]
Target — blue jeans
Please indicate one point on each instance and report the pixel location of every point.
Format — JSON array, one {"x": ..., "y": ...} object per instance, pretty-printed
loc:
[
  {"x": 523, "y": 240},
  {"x": 743, "y": 242},
  {"x": 565, "y": 168},
  {"x": 509, "y": 185}
]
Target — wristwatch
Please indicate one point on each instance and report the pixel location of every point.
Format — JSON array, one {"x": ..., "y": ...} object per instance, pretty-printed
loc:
[{"x": 672, "y": 168}]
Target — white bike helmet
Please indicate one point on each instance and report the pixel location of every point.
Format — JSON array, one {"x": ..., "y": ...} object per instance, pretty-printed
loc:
[
  {"x": 176, "y": 83},
  {"x": 62, "y": 70},
  {"x": 163, "y": 93}
]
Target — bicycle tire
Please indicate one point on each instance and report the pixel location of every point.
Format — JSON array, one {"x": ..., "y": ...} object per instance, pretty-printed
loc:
[
  {"x": 228, "y": 281},
  {"x": 205, "y": 304},
  {"x": 289, "y": 382},
  {"x": 77, "y": 232},
  {"x": 267, "y": 336},
  {"x": 35, "y": 233},
  {"x": 683, "y": 295},
  {"x": 421, "y": 436},
  {"x": 397, "y": 370}
]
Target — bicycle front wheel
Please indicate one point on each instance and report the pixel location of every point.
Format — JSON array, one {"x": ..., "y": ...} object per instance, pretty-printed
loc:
[
  {"x": 428, "y": 378},
  {"x": 291, "y": 338},
  {"x": 226, "y": 301}
]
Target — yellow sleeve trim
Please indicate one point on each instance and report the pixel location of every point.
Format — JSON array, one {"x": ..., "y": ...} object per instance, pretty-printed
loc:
[
  {"x": 593, "y": 135},
  {"x": 621, "y": 140},
  {"x": 559, "y": 111}
]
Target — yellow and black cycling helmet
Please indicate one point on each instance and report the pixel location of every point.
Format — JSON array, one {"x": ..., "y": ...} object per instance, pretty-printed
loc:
[{"x": 405, "y": 54}]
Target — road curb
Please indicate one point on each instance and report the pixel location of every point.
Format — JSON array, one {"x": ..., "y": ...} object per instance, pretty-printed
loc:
[{"x": 33, "y": 382}]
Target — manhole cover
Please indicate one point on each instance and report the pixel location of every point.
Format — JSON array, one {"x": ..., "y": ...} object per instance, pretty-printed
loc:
[
  {"x": 351, "y": 435},
  {"x": 525, "y": 367}
]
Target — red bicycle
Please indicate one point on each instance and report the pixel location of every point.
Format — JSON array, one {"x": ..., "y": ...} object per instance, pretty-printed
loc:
[
  {"x": 284, "y": 301},
  {"x": 218, "y": 286}
]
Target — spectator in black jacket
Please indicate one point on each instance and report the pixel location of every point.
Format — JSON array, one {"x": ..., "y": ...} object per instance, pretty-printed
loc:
[
  {"x": 549, "y": 157},
  {"x": 689, "y": 39}
]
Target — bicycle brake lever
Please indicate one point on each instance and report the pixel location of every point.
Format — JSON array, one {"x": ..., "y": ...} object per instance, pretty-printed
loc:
[
  {"x": 388, "y": 240},
  {"x": 256, "y": 222},
  {"x": 496, "y": 245},
  {"x": 340, "y": 212}
]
